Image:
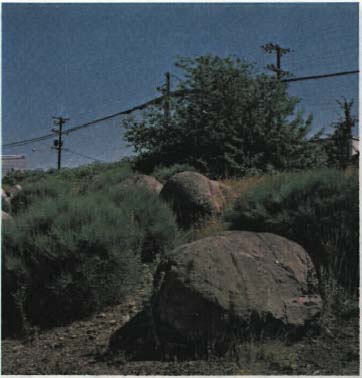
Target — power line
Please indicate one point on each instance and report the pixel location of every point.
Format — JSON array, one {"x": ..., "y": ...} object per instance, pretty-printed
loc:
[
  {"x": 155, "y": 101},
  {"x": 124, "y": 112},
  {"x": 27, "y": 141},
  {"x": 71, "y": 130},
  {"x": 82, "y": 155},
  {"x": 320, "y": 76}
]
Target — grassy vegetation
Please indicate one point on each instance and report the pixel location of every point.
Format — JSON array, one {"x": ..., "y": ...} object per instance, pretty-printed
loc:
[
  {"x": 80, "y": 242},
  {"x": 50, "y": 187},
  {"x": 318, "y": 209},
  {"x": 69, "y": 252},
  {"x": 71, "y": 175},
  {"x": 240, "y": 185}
]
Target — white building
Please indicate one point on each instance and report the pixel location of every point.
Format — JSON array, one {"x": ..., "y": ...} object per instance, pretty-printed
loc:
[{"x": 13, "y": 162}]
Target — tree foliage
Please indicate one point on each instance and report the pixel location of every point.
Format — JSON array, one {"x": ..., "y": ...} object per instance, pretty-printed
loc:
[
  {"x": 227, "y": 122},
  {"x": 339, "y": 150}
]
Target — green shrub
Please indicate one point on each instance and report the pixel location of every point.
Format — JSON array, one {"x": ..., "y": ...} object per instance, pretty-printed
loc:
[
  {"x": 111, "y": 176},
  {"x": 153, "y": 222},
  {"x": 89, "y": 171},
  {"x": 164, "y": 173},
  {"x": 318, "y": 209},
  {"x": 71, "y": 255},
  {"x": 38, "y": 190}
]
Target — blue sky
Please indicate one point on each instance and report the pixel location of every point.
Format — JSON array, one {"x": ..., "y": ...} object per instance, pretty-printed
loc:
[{"x": 85, "y": 61}]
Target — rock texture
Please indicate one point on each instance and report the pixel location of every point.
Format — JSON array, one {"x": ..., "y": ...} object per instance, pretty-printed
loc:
[
  {"x": 143, "y": 181},
  {"x": 237, "y": 283},
  {"x": 5, "y": 216},
  {"x": 193, "y": 196}
]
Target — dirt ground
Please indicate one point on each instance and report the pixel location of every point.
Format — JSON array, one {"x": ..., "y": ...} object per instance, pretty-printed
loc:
[{"x": 78, "y": 348}]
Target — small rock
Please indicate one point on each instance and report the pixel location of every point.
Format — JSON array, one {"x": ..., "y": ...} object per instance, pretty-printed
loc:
[
  {"x": 5, "y": 216},
  {"x": 101, "y": 315},
  {"x": 126, "y": 319},
  {"x": 113, "y": 321}
]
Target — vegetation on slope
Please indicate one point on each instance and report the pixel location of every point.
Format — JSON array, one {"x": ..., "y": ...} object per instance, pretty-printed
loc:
[
  {"x": 318, "y": 209},
  {"x": 77, "y": 252}
]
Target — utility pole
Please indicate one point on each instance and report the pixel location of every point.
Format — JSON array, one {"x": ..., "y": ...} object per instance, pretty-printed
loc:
[
  {"x": 58, "y": 143},
  {"x": 280, "y": 51},
  {"x": 167, "y": 105}
]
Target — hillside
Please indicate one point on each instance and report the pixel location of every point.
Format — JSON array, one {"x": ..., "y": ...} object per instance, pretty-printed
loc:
[{"x": 87, "y": 253}]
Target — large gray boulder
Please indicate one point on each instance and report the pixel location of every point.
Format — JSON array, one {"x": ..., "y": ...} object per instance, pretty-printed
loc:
[
  {"x": 235, "y": 284},
  {"x": 193, "y": 196},
  {"x": 142, "y": 181}
]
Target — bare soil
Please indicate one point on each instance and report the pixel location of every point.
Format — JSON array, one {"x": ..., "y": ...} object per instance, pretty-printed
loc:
[{"x": 79, "y": 347}]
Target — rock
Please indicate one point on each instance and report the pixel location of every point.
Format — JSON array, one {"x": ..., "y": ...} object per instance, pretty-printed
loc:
[
  {"x": 14, "y": 189},
  {"x": 125, "y": 319},
  {"x": 193, "y": 196},
  {"x": 235, "y": 284},
  {"x": 5, "y": 201},
  {"x": 142, "y": 181},
  {"x": 4, "y": 196},
  {"x": 5, "y": 216}
]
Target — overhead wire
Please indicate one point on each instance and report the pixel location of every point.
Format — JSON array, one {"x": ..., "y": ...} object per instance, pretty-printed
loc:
[
  {"x": 154, "y": 101},
  {"x": 80, "y": 154},
  {"x": 28, "y": 141}
]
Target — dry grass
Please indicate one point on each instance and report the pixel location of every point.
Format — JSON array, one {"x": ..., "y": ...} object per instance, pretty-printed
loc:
[
  {"x": 209, "y": 227},
  {"x": 350, "y": 171},
  {"x": 240, "y": 185}
]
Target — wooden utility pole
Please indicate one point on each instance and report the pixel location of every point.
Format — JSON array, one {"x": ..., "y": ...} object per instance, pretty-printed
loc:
[
  {"x": 58, "y": 143},
  {"x": 280, "y": 51},
  {"x": 167, "y": 105}
]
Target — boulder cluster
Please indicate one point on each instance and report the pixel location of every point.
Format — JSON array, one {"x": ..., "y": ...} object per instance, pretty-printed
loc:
[
  {"x": 236, "y": 285},
  {"x": 233, "y": 285}
]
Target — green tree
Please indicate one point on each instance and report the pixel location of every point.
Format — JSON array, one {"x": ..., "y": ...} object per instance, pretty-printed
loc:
[
  {"x": 226, "y": 122},
  {"x": 339, "y": 150}
]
